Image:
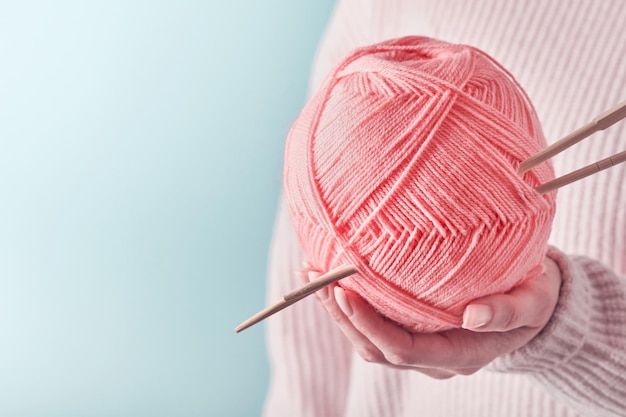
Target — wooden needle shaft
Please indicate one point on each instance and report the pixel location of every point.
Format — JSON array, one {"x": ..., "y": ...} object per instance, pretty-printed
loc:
[
  {"x": 582, "y": 173},
  {"x": 601, "y": 122},
  {"x": 298, "y": 294}
]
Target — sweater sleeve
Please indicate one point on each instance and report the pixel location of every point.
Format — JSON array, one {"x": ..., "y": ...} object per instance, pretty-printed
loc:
[
  {"x": 580, "y": 356},
  {"x": 309, "y": 356}
]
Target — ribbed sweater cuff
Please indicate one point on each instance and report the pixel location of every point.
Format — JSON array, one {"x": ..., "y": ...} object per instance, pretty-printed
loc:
[{"x": 565, "y": 333}]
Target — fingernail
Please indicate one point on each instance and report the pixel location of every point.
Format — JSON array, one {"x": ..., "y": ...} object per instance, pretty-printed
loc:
[
  {"x": 342, "y": 301},
  {"x": 476, "y": 315}
]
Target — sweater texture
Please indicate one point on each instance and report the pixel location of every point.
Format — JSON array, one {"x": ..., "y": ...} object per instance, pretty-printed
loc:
[{"x": 570, "y": 57}]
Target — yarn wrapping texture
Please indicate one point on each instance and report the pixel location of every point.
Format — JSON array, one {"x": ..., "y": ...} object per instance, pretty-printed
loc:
[{"x": 404, "y": 163}]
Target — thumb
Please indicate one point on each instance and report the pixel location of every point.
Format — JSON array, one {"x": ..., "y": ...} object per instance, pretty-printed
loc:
[
  {"x": 528, "y": 305},
  {"x": 498, "y": 313}
]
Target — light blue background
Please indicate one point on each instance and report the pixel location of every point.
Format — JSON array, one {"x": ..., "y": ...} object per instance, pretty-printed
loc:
[{"x": 140, "y": 161}]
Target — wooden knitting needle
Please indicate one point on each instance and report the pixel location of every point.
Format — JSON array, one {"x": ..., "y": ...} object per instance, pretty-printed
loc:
[
  {"x": 601, "y": 122},
  {"x": 297, "y": 295},
  {"x": 582, "y": 173}
]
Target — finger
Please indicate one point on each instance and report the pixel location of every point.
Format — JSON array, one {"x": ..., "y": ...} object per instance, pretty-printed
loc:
[
  {"x": 529, "y": 305},
  {"x": 433, "y": 353},
  {"x": 364, "y": 348},
  {"x": 367, "y": 348},
  {"x": 392, "y": 342},
  {"x": 399, "y": 346}
]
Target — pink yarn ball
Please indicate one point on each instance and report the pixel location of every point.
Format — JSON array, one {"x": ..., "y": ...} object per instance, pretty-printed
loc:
[{"x": 405, "y": 164}]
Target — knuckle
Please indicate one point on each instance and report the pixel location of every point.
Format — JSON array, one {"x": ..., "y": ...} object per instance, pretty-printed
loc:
[
  {"x": 397, "y": 358},
  {"x": 370, "y": 355},
  {"x": 509, "y": 318},
  {"x": 335, "y": 314}
]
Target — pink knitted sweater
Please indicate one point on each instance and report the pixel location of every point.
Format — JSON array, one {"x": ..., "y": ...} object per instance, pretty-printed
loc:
[{"x": 570, "y": 58}]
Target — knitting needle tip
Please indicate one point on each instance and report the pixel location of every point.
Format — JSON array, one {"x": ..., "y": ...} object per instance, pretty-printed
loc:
[{"x": 328, "y": 278}]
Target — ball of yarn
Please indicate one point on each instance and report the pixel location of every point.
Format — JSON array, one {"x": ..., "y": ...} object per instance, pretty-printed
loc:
[{"x": 405, "y": 164}]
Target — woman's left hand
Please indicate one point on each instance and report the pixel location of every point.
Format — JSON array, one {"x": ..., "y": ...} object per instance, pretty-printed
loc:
[{"x": 492, "y": 326}]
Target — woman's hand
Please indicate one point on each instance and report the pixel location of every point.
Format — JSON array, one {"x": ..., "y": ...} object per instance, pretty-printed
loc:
[{"x": 492, "y": 326}]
